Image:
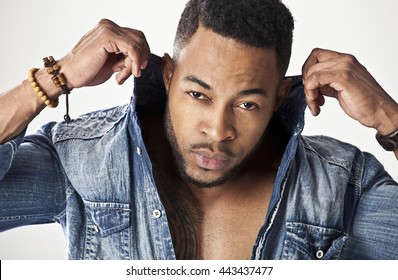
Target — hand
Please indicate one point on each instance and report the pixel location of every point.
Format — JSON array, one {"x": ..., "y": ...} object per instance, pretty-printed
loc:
[
  {"x": 329, "y": 73},
  {"x": 106, "y": 49}
]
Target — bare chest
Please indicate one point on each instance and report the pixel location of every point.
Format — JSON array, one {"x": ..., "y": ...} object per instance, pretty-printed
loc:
[
  {"x": 230, "y": 233},
  {"x": 223, "y": 230}
]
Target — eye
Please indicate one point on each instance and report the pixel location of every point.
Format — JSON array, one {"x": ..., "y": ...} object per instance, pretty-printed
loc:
[
  {"x": 196, "y": 95},
  {"x": 248, "y": 106}
]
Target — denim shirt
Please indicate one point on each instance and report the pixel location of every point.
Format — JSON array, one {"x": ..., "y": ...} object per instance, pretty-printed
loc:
[{"x": 94, "y": 177}]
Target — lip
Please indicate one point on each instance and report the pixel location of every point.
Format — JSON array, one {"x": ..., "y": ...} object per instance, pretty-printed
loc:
[{"x": 210, "y": 161}]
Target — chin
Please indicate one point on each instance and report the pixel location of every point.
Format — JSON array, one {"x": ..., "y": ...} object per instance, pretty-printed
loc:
[{"x": 204, "y": 179}]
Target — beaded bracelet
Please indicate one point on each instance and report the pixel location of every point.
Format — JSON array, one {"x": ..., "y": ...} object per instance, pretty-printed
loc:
[
  {"x": 31, "y": 78},
  {"x": 59, "y": 81}
]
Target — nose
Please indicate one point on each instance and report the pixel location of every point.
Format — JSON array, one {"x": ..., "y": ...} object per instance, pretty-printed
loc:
[{"x": 219, "y": 126}]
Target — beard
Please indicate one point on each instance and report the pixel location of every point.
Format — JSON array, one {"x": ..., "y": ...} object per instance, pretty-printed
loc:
[{"x": 181, "y": 164}]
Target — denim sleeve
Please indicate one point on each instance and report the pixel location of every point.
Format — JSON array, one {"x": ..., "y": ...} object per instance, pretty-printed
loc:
[
  {"x": 374, "y": 233},
  {"x": 32, "y": 184}
]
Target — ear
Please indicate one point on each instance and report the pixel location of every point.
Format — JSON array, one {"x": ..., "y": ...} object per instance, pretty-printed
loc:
[
  {"x": 283, "y": 89},
  {"x": 167, "y": 70}
]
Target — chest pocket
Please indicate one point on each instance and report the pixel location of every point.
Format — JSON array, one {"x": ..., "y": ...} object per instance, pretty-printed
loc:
[
  {"x": 107, "y": 230},
  {"x": 308, "y": 242}
]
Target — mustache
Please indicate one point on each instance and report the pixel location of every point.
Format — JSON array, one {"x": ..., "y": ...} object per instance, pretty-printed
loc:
[{"x": 214, "y": 148}]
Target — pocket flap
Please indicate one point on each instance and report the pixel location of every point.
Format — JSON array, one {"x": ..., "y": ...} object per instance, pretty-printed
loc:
[
  {"x": 304, "y": 241},
  {"x": 108, "y": 217}
]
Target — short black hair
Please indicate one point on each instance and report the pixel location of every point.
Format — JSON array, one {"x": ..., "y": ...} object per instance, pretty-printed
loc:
[{"x": 258, "y": 23}]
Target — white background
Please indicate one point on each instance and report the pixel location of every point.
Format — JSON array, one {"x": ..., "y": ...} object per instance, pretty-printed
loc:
[{"x": 31, "y": 30}]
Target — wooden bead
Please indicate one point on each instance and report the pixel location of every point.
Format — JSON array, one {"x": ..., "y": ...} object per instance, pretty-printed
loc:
[
  {"x": 50, "y": 70},
  {"x": 53, "y": 104},
  {"x": 47, "y": 63},
  {"x": 31, "y": 74},
  {"x": 55, "y": 81},
  {"x": 58, "y": 79},
  {"x": 38, "y": 90},
  {"x": 32, "y": 71},
  {"x": 61, "y": 79}
]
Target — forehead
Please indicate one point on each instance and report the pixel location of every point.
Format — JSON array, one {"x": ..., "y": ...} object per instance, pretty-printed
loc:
[{"x": 217, "y": 58}]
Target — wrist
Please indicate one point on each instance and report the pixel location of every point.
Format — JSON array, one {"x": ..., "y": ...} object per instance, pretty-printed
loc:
[
  {"x": 40, "y": 91},
  {"x": 64, "y": 69},
  {"x": 47, "y": 85},
  {"x": 34, "y": 104},
  {"x": 387, "y": 130},
  {"x": 59, "y": 80},
  {"x": 388, "y": 142},
  {"x": 388, "y": 119}
]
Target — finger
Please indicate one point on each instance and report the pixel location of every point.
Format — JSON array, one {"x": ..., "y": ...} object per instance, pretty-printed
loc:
[
  {"x": 125, "y": 72},
  {"x": 134, "y": 61},
  {"x": 122, "y": 67},
  {"x": 146, "y": 52},
  {"x": 329, "y": 76},
  {"x": 123, "y": 75},
  {"x": 327, "y": 82},
  {"x": 317, "y": 55},
  {"x": 118, "y": 65},
  {"x": 318, "y": 85},
  {"x": 137, "y": 51},
  {"x": 131, "y": 42},
  {"x": 139, "y": 42},
  {"x": 315, "y": 105},
  {"x": 129, "y": 49},
  {"x": 311, "y": 97},
  {"x": 320, "y": 100},
  {"x": 328, "y": 65}
]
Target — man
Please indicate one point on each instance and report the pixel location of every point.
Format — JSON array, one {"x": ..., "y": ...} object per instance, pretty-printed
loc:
[{"x": 229, "y": 176}]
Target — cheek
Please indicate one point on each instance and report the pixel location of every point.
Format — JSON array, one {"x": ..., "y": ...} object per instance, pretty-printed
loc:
[
  {"x": 250, "y": 133},
  {"x": 184, "y": 122},
  {"x": 251, "y": 130}
]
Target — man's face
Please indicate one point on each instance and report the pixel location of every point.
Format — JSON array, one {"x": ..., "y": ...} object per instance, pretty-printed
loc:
[{"x": 221, "y": 96}]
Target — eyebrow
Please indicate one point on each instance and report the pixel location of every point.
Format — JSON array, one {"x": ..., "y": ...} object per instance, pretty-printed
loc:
[
  {"x": 259, "y": 91},
  {"x": 196, "y": 80}
]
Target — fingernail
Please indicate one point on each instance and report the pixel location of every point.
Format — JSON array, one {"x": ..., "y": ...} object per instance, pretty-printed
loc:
[{"x": 122, "y": 81}]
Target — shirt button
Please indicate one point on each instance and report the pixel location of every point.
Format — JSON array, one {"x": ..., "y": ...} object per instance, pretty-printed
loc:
[
  {"x": 319, "y": 254},
  {"x": 157, "y": 213},
  {"x": 139, "y": 151}
]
